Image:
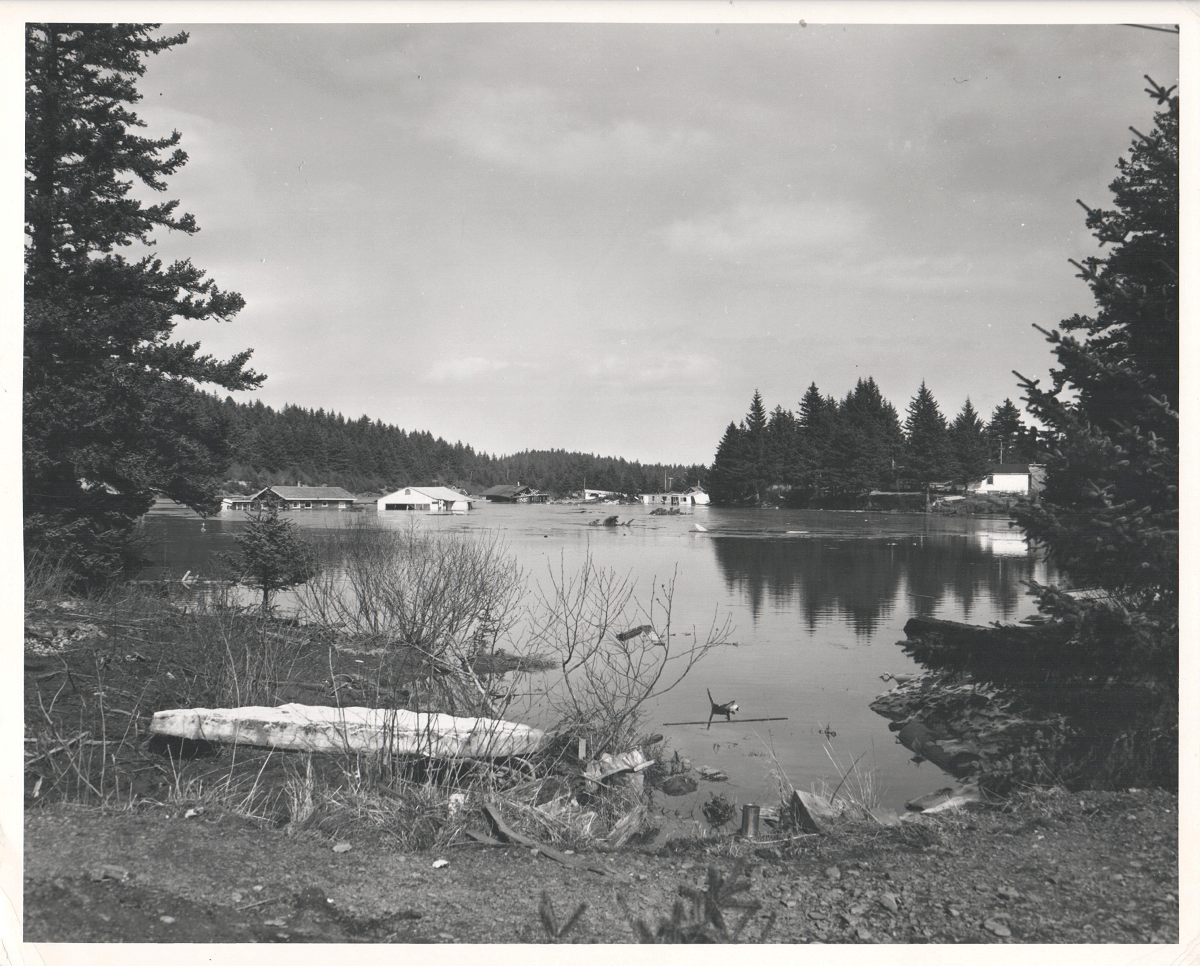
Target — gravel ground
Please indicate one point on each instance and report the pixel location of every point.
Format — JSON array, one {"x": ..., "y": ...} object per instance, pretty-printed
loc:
[{"x": 1048, "y": 867}]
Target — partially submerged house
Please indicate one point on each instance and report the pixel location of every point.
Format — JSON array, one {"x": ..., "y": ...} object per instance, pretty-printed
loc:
[
  {"x": 506, "y": 493},
  {"x": 1011, "y": 478},
  {"x": 293, "y": 498},
  {"x": 1022, "y": 478},
  {"x": 424, "y": 499},
  {"x": 693, "y": 497}
]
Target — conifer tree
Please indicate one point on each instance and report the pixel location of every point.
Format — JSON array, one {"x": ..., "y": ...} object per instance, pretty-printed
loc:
[
  {"x": 815, "y": 424},
  {"x": 968, "y": 445},
  {"x": 1109, "y": 515},
  {"x": 111, "y": 411},
  {"x": 1005, "y": 434},
  {"x": 927, "y": 457},
  {"x": 730, "y": 469}
]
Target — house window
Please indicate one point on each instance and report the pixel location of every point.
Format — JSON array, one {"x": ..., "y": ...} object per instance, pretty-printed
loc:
[{"x": 991, "y": 481}]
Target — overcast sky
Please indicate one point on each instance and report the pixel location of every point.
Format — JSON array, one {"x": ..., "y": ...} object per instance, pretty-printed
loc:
[{"x": 605, "y": 238}]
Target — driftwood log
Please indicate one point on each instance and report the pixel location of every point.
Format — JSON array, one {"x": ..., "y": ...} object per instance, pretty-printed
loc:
[{"x": 1004, "y": 653}]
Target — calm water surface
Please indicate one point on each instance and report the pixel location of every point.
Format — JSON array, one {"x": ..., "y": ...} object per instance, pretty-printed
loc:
[{"x": 817, "y": 600}]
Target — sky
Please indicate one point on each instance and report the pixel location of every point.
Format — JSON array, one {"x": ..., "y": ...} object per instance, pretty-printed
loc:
[{"x": 605, "y": 238}]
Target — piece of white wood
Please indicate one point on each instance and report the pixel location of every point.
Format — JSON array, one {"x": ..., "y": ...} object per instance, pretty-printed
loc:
[{"x": 300, "y": 727}]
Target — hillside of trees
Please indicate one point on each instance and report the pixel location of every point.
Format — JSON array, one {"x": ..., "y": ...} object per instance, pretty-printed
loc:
[
  {"x": 833, "y": 452},
  {"x": 314, "y": 447}
]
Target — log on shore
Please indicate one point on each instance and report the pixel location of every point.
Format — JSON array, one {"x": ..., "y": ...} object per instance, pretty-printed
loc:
[
  {"x": 1012, "y": 653},
  {"x": 299, "y": 727}
]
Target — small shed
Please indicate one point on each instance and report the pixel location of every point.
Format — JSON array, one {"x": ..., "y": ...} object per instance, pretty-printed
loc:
[{"x": 424, "y": 499}]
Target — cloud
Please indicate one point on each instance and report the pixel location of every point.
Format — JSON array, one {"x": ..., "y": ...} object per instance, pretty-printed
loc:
[
  {"x": 462, "y": 370},
  {"x": 671, "y": 371},
  {"x": 754, "y": 229},
  {"x": 534, "y": 129}
]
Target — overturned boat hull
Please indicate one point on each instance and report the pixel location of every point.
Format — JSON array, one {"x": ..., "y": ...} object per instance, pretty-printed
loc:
[{"x": 299, "y": 727}]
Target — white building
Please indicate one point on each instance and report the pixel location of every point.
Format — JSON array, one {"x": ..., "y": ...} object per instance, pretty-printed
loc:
[
  {"x": 693, "y": 497},
  {"x": 425, "y": 499},
  {"x": 1004, "y": 478}
]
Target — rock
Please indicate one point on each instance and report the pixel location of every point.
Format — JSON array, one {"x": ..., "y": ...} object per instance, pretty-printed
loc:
[
  {"x": 343, "y": 847},
  {"x": 967, "y": 795},
  {"x": 1009, "y": 892},
  {"x": 930, "y": 800},
  {"x": 810, "y": 813},
  {"x": 167, "y": 919},
  {"x": 884, "y": 816},
  {"x": 300, "y": 727},
  {"x": 679, "y": 785},
  {"x": 440, "y": 863},
  {"x": 102, "y": 872},
  {"x": 833, "y": 873},
  {"x": 711, "y": 774},
  {"x": 864, "y": 934},
  {"x": 998, "y": 928},
  {"x": 888, "y": 901},
  {"x": 948, "y": 753}
]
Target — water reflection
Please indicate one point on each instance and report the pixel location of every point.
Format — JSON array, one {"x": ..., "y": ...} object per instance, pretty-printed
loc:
[{"x": 861, "y": 580}]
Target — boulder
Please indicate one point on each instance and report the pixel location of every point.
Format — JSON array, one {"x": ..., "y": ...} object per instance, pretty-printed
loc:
[
  {"x": 679, "y": 785},
  {"x": 810, "y": 813}
]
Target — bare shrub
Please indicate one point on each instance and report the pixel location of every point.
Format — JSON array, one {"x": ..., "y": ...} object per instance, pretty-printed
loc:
[{"x": 615, "y": 654}]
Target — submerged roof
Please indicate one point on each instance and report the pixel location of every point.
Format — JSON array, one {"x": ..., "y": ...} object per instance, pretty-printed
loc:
[
  {"x": 432, "y": 492},
  {"x": 311, "y": 493}
]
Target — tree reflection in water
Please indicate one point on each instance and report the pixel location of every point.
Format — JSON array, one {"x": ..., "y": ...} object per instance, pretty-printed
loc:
[{"x": 863, "y": 579}]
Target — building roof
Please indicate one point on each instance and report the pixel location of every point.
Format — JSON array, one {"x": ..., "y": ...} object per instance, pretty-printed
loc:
[
  {"x": 311, "y": 493},
  {"x": 433, "y": 492},
  {"x": 509, "y": 489},
  {"x": 1011, "y": 469}
]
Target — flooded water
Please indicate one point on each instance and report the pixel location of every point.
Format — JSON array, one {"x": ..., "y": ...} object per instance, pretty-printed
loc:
[{"x": 817, "y": 601}]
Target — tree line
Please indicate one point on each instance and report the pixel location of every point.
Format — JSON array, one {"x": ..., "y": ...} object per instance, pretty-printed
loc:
[
  {"x": 313, "y": 447},
  {"x": 832, "y": 452}
]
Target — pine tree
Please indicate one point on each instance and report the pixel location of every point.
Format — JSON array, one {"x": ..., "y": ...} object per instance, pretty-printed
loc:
[
  {"x": 1005, "y": 432},
  {"x": 731, "y": 467},
  {"x": 927, "y": 456},
  {"x": 272, "y": 555},
  {"x": 816, "y": 421},
  {"x": 1109, "y": 515},
  {"x": 111, "y": 411},
  {"x": 968, "y": 445},
  {"x": 758, "y": 471}
]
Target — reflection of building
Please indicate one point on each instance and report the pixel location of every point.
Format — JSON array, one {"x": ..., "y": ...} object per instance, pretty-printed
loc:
[
  {"x": 1010, "y": 543},
  {"x": 1010, "y": 478},
  {"x": 424, "y": 499},
  {"x": 505, "y": 493},
  {"x": 293, "y": 498},
  {"x": 693, "y": 497}
]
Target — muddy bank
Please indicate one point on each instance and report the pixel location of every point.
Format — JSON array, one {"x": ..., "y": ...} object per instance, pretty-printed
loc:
[{"x": 1048, "y": 867}]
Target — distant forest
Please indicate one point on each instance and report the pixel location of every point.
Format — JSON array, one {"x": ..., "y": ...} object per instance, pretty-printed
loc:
[
  {"x": 314, "y": 447},
  {"x": 833, "y": 452}
]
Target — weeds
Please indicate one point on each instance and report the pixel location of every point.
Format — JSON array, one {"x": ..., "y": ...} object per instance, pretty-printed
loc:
[
  {"x": 704, "y": 917},
  {"x": 554, "y": 931},
  {"x": 391, "y": 620}
]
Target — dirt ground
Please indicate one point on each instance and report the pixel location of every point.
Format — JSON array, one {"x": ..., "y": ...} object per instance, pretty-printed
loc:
[{"x": 1053, "y": 867}]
